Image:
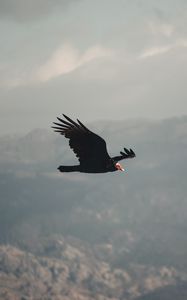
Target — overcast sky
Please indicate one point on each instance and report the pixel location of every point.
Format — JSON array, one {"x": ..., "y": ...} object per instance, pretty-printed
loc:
[{"x": 101, "y": 59}]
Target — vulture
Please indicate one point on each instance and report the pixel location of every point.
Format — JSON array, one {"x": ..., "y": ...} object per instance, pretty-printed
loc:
[{"x": 89, "y": 148}]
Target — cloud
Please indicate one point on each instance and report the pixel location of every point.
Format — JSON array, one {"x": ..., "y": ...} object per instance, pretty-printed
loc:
[
  {"x": 155, "y": 51},
  {"x": 64, "y": 60},
  {"x": 24, "y": 10},
  {"x": 161, "y": 29},
  {"x": 162, "y": 49},
  {"x": 67, "y": 59}
]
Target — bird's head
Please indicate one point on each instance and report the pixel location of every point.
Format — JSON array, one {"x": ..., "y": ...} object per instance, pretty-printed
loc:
[{"x": 119, "y": 167}]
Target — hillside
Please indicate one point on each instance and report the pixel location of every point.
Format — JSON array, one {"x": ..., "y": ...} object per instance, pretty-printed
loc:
[
  {"x": 66, "y": 271},
  {"x": 106, "y": 236}
]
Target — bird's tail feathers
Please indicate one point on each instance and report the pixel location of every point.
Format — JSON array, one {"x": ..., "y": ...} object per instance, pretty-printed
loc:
[{"x": 68, "y": 168}]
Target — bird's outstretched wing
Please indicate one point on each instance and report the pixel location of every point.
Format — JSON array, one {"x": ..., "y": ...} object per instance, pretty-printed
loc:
[
  {"x": 124, "y": 155},
  {"x": 87, "y": 145}
]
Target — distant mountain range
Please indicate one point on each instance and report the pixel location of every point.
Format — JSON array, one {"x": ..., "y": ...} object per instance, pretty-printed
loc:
[{"x": 126, "y": 231}]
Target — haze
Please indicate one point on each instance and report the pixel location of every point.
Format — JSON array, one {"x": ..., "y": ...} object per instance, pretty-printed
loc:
[
  {"x": 92, "y": 60},
  {"x": 121, "y": 68}
]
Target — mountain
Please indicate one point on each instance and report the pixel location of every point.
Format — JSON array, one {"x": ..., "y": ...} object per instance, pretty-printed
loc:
[
  {"x": 131, "y": 223},
  {"x": 178, "y": 291},
  {"x": 69, "y": 270}
]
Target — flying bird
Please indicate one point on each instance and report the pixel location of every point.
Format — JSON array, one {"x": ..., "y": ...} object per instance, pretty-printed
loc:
[{"x": 89, "y": 148}]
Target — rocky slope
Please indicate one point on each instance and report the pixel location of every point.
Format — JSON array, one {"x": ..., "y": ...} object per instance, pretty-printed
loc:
[{"x": 66, "y": 269}]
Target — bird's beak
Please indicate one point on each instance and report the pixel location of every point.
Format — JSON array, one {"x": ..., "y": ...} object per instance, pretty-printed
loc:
[{"x": 119, "y": 167}]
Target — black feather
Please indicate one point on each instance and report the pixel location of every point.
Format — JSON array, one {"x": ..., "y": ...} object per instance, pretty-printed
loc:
[{"x": 89, "y": 147}]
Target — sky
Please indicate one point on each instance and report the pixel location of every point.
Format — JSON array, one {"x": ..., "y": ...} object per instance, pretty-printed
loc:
[{"x": 92, "y": 60}]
